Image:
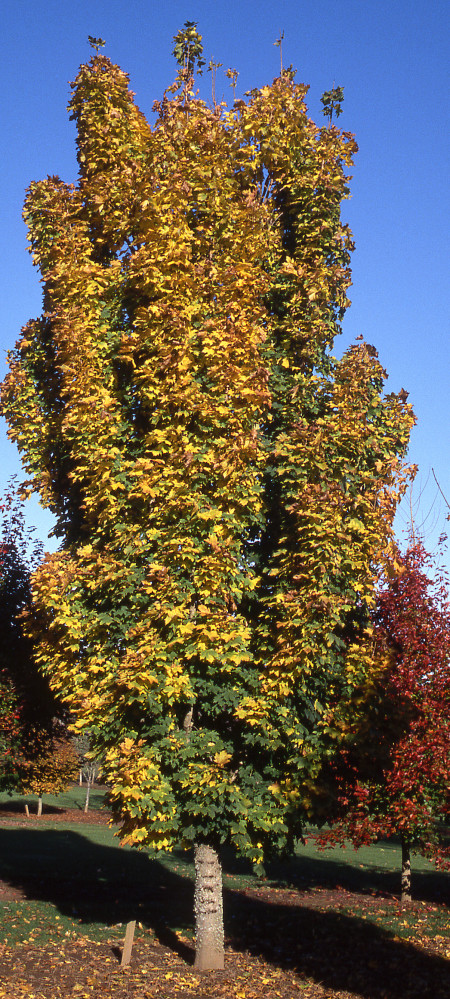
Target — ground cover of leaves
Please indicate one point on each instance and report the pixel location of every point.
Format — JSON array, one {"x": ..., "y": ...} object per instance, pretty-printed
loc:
[{"x": 318, "y": 941}]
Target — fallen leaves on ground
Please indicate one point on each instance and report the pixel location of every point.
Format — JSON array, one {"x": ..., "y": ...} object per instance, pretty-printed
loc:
[
  {"x": 87, "y": 971},
  {"x": 283, "y": 942},
  {"x": 306, "y": 959}
]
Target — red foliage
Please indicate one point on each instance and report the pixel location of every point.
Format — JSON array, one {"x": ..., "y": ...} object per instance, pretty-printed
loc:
[
  {"x": 396, "y": 781},
  {"x": 11, "y": 756}
]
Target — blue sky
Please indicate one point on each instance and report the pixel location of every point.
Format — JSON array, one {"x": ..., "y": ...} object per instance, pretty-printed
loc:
[{"x": 390, "y": 56}]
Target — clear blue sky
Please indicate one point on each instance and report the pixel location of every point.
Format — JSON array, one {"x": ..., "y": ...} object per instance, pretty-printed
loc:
[{"x": 391, "y": 57}]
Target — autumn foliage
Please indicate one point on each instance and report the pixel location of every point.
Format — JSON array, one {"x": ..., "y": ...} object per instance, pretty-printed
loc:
[
  {"x": 396, "y": 779},
  {"x": 10, "y": 753},
  {"x": 51, "y": 763},
  {"x": 224, "y": 488}
]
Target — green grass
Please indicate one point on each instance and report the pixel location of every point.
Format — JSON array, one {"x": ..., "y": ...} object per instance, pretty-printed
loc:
[
  {"x": 369, "y": 868},
  {"x": 78, "y": 880},
  {"x": 39, "y": 922}
]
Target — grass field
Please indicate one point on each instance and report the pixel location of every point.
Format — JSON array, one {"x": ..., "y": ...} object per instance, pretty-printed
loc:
[{"x": 71, "y": 883}]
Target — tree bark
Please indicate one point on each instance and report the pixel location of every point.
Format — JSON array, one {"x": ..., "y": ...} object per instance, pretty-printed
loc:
[
  {"x": 39, "y": 807},
  {"x": 406, "y": 872},
  {"x": 208, "y": 907}
]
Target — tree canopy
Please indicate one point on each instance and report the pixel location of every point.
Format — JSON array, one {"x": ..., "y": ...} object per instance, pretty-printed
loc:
[
  {"x": 395, "y": 779},
  {"x": 223, "y": 487}
]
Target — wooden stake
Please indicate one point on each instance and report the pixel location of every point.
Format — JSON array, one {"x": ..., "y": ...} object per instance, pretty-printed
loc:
[{"x": 128, "y": 943}]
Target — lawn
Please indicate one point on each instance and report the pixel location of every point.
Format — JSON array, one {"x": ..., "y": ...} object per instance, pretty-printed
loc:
[{"x": 326, "y": 924}]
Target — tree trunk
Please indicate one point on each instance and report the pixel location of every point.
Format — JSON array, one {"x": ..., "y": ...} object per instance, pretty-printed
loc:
[
  {"x": 39, "y": 807},
  {"x": 208, "y": 909},
  {"x": 88, "y": 791},
  {"x": 406, "y": 872}
]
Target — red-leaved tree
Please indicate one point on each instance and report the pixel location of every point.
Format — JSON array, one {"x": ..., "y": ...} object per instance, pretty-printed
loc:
[
  {"x": 11, "y": 756},
  {"x": 395, "y": 781}
]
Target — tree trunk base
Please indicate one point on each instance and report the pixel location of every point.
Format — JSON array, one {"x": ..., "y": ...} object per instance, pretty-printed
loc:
[
  {"x": 208, "y": 907},
  {"x": 406, "y": 874}
]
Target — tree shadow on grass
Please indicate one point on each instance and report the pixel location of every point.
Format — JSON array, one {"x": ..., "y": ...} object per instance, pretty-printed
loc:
[
  {"x": 306, "y": 873},
  {"x": 339, "y": 951},
  {"x": 94, "y": 883},
  {"x": 364, "y": 879},
  {"x": 16, "y": 806}
]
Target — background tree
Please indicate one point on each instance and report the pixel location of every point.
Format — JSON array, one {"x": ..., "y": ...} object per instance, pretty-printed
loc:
[
  {"x": 89, "y": 766},
  {"x": 33, "y": 719},
  {"x": 50, "y": 765},
  {"x": 11, "y": 709},
  {"x": 10, "y": 750},
  {"x": 396, "y": 780},
  {"x": 21, "y": 553},
  {"x": 224, "y": 489}
]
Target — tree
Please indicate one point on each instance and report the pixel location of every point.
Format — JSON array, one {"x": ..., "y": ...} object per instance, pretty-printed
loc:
[
  {"x": 396, "y": 780},
  {"x": 223, "y": 487},
  {"x": 10, "y": 753},
  {"x": 89, "y": 766},
  {"x": 50, "y": 765},
  {"x": 9, "y": 713},
  {"x": 35, "y": 746},
  {"x": 20, "y": 554},
  {"x": 13, "y": 542}
]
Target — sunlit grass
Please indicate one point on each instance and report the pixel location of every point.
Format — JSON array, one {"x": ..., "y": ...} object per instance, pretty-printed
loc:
[{"x": 78, "y": 881}]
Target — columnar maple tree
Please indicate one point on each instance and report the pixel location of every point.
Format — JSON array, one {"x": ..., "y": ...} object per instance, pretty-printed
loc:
[
  {"x": 224, "y": 489},
  {"x": 396, "y": 778}
]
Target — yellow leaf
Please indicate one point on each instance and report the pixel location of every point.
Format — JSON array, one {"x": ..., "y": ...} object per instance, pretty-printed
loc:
[{"x": 221, "y": 759}]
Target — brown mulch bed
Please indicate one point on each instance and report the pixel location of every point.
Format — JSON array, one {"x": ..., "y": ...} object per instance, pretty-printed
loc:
[
  {"x": 13, "y": 813},
  {"x": 85, "y": 969}
]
